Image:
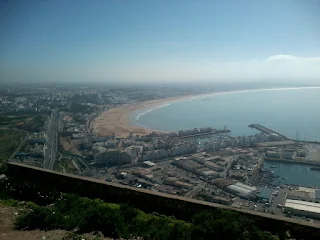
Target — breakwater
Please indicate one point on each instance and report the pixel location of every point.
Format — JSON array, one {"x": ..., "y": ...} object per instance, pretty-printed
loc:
[
  {"x": 267, "y": 130},
  {"x": 270, "y": 131}
]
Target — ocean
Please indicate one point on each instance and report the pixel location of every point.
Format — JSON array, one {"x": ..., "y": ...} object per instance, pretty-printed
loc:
[{"x": 285, "y": 110}]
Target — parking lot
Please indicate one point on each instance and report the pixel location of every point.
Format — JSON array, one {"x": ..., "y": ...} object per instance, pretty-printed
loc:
[{"x": 277, "y": 201}]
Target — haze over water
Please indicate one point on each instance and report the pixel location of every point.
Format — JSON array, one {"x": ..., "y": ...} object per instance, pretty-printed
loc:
[{"x": 285, "y": 111}]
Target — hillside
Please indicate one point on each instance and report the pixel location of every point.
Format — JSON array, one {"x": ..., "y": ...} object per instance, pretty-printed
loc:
[{"x": 85, "y": 215}]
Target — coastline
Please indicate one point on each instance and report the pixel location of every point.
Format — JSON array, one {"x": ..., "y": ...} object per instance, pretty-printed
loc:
[{"x": 118, "y": 120}]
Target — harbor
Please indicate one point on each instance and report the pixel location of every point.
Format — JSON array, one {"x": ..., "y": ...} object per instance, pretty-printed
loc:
[
  {"x": 278, "y": 173},
  {"x": 288, "y": 162}
]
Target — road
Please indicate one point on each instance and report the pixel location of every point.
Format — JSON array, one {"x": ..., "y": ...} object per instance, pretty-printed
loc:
[
  {"x": 90, "y": 118},
  {"x": 226, "y": 169},
  {"x": 193, "y": 192},
  {"x": 279, "y": 199},
  {"x": 52, "y": 140}
]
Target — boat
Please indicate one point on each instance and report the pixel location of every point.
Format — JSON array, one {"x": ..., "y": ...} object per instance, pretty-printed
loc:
[
  {"x": 315, "y": 168},
  {"x": 273, "y": 166}
]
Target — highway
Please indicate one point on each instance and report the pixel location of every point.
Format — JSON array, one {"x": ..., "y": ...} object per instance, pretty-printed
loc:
[{"x": 52, "y": 140}]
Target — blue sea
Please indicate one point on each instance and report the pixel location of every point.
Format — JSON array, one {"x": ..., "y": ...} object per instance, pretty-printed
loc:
[{"x": 284, "y": 110}]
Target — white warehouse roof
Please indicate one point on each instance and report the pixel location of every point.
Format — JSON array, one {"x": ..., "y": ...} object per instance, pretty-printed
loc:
[
  {"x": 240, "y": 190},
  {"x": 239, "y": 184},
  {"x": 303, "y": 206},
  {"x": 149, "y": 163}
]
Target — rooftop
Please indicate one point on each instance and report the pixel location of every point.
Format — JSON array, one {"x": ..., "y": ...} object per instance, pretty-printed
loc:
[
  {"x": 303, "y": 206},
  {"x": 317, "y": 193},
  {"x": 149, "y": 163},
  {"x": 305, "y": 189},
  {"x": 209, "y": 172},
  {"x": 239, "y": 184},
  {"x": 265, "y": 193},
  {"x": 240, "y": 190}
]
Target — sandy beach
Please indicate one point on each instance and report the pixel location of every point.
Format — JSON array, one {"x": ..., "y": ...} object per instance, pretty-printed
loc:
[{"x": 117, "y": 120}]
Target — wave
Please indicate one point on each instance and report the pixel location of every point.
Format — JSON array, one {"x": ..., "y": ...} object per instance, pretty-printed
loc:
[
  {"x": 149, "y": 110},
  {"x": 213, "y": 94},
  {"x": 250, "y": 90}
]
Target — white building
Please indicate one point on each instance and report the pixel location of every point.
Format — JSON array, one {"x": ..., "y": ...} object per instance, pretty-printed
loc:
[
  {"x": 149, "y": 164},
  {"x": 242, "y": 190},
  {"x": 302, "y": 208},
  {"x": 303, "y": 194}
]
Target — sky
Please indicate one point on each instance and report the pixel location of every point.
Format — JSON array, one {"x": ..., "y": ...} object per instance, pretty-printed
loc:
[{"x": 159, "y": 41}]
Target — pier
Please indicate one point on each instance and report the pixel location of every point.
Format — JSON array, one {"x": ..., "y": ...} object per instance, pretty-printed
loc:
[{"x": 267, "y": 130}]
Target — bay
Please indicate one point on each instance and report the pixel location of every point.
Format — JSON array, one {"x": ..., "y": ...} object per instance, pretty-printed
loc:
[{"x": 283, "y": 110}]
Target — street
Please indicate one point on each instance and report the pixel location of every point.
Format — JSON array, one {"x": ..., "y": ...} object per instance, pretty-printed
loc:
[{"x": 52, "y": 140}]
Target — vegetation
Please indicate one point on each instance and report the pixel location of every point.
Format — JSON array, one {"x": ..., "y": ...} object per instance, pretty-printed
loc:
[
  {"x": 30, "y": 122},
  {"x": 65, "y": 165},
  {"x": 9, "y": 140},
  {"x": 114, "y": 220}
]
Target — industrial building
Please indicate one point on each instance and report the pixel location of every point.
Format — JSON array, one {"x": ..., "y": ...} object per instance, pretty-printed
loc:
[
  {"x": 210, "y": 173},
  {"x": 302, "y": 208},
  {"x": 172, "y": 181},
  {"x": 242, "y": 190},
  {"x": 265, "y": 194}
]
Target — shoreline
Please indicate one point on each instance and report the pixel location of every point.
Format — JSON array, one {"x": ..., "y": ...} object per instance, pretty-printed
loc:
[{"x": 119, "y": 120}]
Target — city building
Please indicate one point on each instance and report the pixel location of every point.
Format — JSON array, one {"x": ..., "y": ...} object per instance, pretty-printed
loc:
[
  {"x": 210, "y": 173},
  {"x": 303, "y": 194},
  {"x": 273, "y": 154},
  {"x": 287, "y": 155}
]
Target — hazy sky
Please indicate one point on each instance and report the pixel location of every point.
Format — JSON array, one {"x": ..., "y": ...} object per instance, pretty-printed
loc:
[{"x": 139, "y": 41}]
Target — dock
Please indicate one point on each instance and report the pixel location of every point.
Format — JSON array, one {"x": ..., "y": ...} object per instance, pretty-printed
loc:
[{"x": 267, "y": 130}]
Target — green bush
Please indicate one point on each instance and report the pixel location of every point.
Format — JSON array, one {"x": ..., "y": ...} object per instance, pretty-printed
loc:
[{"x": 113, "y": 220}]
